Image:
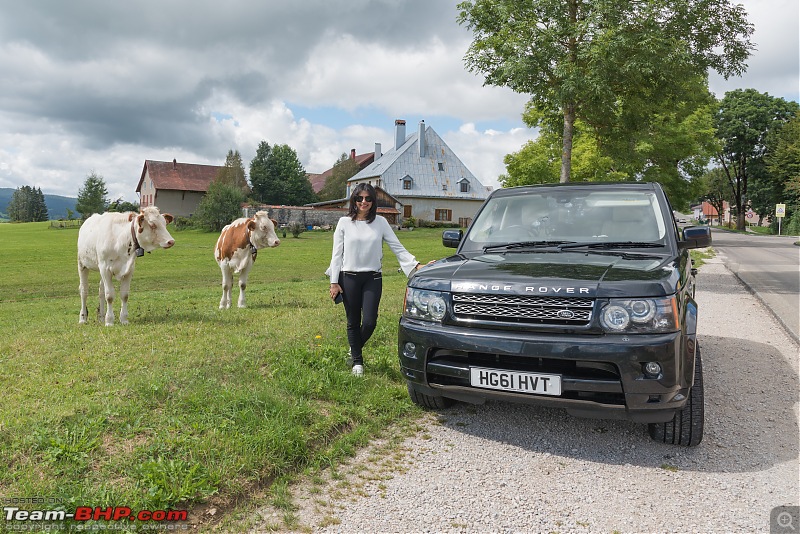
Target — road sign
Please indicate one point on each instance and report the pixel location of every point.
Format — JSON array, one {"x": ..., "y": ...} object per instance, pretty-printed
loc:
[{"x": 780, "y": 210}]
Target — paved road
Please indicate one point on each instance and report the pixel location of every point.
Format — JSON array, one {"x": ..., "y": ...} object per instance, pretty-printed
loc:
[{"x": 769, "y": 266}]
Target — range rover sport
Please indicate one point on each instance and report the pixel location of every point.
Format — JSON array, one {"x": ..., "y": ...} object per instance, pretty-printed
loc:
[{"x": 578, "y": 296}]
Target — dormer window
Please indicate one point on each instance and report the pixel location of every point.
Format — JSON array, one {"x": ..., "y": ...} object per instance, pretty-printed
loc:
[
  {"x": 408, "y": 182},
  {"x": 464, "y": 185},
  {"x": 441, "y": 166}
]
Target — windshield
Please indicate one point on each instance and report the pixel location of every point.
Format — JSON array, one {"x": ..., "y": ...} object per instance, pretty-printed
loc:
[{"x": 552, "y": 216}]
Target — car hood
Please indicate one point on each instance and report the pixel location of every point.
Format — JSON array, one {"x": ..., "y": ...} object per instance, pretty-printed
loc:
[{"x": 553, "y": 274}]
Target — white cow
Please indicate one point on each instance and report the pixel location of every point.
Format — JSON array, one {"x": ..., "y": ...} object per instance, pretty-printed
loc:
[
  {"x": 110, "y": 243},
  {"x": 237, "y": 248}
]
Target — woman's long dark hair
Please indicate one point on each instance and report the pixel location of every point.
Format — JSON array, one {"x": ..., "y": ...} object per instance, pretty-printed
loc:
[{"x": 368, "y": 190}]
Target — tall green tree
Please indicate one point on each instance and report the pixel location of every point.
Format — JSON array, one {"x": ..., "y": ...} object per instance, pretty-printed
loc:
[
  {"x": 715, "y": 191},
  {"x": 744, "y": 121},
  {"x": 260, "y": 179},
  {"x": 27, "y": 204},
  {"x": 603, "y": 62},
  {"x": 93, "y": 196},
  {"x": 336, "y": 184},
  {"x": 673, "y": 148},
  {"x": 219, "y": 206},
  {"x": 281, "y": 177},
  {"x": 232, "y": 173},
  {"x": 783, "y": 163}
]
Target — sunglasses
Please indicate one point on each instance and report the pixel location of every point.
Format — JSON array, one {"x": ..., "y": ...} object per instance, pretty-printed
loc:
[{"x": 363, "y": 199}]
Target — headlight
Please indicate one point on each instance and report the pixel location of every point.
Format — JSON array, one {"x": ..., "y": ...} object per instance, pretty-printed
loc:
[
  {"x": 640, "y": 316},
  {"x": 425, "y": 305}
]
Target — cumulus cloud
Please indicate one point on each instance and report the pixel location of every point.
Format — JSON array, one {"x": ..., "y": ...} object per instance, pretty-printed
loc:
[{"x": 92, "y": 85}]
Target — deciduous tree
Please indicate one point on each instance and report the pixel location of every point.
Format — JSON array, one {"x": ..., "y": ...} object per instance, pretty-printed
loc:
[
  {"x": 220, "y": 205},
  {"x": 611, "y": 63},
  {"x": 336, "y": 184},
  {"x": 744, "y": 122}
]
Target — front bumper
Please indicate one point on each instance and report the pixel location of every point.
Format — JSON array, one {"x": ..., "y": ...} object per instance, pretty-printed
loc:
[{"x": 602, "y": 375}]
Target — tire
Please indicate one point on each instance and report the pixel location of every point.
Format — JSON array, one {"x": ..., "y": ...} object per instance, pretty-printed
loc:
[
  {"x": 434, "y": 402},
  {"x": 686, "y": 429}
]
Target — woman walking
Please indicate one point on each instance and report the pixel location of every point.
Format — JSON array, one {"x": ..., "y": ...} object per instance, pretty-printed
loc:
[{"x": 355, "y": 269}]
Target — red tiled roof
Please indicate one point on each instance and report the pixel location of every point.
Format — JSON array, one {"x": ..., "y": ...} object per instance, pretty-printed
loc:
[
  {"x": 318, "y": 180},
  {"x": 178, "y": 176}
]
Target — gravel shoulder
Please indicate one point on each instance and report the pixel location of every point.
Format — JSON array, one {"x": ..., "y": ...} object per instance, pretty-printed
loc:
[{"x": 513, "y": 468}]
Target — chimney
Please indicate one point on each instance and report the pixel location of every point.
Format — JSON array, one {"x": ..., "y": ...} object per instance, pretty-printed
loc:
[
  {"x": 399, "y": 133},
  {"x": 174, "y": 164},
  {"x": 421, "y": 139},
  {"x": 377, "y": 151},
  {"x": 352, "y": 153}
]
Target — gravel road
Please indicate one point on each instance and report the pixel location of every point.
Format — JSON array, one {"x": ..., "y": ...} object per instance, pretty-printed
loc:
[{"x": 511, "y": 468}]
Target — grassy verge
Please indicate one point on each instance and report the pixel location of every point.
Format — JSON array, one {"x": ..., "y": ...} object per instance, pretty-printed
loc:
[{"x": 188, "y": 404}]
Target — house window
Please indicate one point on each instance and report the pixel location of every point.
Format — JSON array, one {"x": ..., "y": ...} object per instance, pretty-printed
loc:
[
  {"x": 444, "y": 187},
  {"x": 464, "y": 222},
  {"x": 443, "y": 215},
  {"x": 464, "y": 186},
  {"x": 406, "y": 212},
  {"x": 441, "y": 166},
  {"x": 407, "y": 182}
]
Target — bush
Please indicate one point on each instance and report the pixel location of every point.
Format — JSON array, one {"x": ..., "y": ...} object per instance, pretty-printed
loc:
[
  {"x": 182, "y": 223},
  {"x": 296, "y": 229},
  {"x": 410, "y": 222}
]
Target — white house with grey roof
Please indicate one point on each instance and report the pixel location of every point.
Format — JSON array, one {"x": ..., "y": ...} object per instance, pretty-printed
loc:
[{"x": 426, "y": 176}]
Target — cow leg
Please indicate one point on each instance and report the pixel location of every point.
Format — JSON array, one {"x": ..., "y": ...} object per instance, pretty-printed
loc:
[
  {"x": 107, "y": 287},
  {"x": 101, "y": 307},
  {"x": 124, "y": 290},
  {"x": 242, "y": 286},
  {"x": 227, "y": 284},
  {"x": 83, "y": 274}
]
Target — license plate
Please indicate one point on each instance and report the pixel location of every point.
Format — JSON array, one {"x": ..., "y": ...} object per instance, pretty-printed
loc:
[{"x": 540, "y": 384}]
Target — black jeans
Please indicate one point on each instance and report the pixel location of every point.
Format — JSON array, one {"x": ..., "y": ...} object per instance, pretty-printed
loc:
[{"x": 362, "y": 295}]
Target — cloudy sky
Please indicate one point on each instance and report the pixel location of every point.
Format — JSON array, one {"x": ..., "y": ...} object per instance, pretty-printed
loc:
[{"x": 93, "y": 85}]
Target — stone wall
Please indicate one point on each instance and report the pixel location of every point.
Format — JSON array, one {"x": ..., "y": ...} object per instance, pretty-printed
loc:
[{"x": 288, "y": 215}]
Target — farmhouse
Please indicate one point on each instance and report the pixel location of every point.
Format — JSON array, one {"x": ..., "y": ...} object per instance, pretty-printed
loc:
[
  {"x": 174, "y": 187},
  {"x": 425, "y": 176}
]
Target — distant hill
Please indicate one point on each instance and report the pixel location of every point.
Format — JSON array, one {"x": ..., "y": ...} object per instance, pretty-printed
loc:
[{"x": 56, "y": 204}]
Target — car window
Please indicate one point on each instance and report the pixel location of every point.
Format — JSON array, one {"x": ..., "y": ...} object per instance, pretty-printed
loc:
[{"x": 576, "y": 216}]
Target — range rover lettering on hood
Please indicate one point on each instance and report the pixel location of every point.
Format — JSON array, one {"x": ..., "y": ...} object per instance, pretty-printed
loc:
[{"x": 520, "y": 288}]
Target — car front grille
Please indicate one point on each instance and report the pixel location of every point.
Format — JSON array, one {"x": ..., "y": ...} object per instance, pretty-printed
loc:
[{"x": 526, "y": 309}]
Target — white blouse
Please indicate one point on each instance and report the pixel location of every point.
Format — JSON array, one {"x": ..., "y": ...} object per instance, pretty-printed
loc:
[{"x": 358, "y": 247}]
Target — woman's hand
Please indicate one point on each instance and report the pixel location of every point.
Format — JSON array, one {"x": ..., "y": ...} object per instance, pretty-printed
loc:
[{"x": 335, "y": 290}]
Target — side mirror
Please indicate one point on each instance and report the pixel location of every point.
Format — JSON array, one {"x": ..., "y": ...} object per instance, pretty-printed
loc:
[
  {"x": 697, "y": 236},
  {"x": 452, "y": 238}
]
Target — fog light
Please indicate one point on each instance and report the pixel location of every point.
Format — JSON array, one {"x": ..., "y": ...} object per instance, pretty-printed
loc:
[
  {"x": 410, "y": 350},
  {"x": 652, "y": 369}
]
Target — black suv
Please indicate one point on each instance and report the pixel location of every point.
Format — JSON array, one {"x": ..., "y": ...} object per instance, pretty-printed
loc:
[{"x": 578, "y": 295}]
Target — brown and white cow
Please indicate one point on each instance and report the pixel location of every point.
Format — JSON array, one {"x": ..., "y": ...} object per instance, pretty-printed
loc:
[
  {"x": 110, "y": 243},
  {"x": 236, "y": 251}
]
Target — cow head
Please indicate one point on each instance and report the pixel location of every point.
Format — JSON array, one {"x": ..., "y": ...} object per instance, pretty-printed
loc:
[
  {"x": 152, "y": 229},
  {"x": 262, "y": 230}
]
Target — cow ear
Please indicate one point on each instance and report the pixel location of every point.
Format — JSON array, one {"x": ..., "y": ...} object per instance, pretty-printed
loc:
[
  {"x": 169, "y": 218},
  {"x": 131, "y": 215},
  {"x": 274, "y": 222},
  {"x": 141, "y": 222},
  {"x": 251, "y": 224}
]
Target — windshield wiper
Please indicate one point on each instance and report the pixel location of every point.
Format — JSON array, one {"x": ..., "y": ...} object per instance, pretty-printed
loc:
[
  {"x": 526, "y": 244},
  {"x": 612, "y": 244}
]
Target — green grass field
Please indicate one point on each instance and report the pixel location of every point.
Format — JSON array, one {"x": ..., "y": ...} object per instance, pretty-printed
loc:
[{"x": 188, "y": 404}]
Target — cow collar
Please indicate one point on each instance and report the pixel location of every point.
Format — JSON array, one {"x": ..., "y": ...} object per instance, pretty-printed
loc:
[
  {"x": 136, "y": 245},
  {"x": 253, "y": 249}
]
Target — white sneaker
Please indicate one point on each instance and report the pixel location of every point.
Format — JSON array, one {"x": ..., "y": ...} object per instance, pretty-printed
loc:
[{"x": 358, "y": 370}]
